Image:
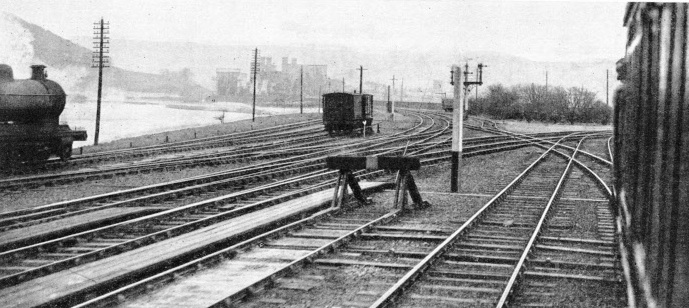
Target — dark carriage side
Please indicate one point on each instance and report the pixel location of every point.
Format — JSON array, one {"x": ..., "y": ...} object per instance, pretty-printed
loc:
[{"x": 347, "y": 112}]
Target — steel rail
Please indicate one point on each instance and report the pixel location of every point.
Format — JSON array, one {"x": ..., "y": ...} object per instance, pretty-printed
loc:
[
  {"x": 583, "y": 166},
  {"x": 192, "y": 263},
  {"x": 168, "y": 163},
  {"x": 67, "y": 209},
  {"x": 77, "y": 259},
  {"x": 154, "y": 236},
  {"x": 595, "y": 157},
  {"x": 116, "y": 295},
  {"x": 167, "y": 148},
  {"x": 204, "y": 140},
  {"x": 178, "y": 183},
  {"x": 516, "y": 273},
  {"x": 407, "y": 280},
  {"x": 159, "y": 195}
]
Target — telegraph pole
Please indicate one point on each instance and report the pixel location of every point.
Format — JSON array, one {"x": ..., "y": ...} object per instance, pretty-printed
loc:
[
  {"x": 301, "y": 90},
  {"x": 389, "y": 105},
  {"x": 254, "y": 70},
  {"x": 546, "y": 81},
  {"x": 361, "y": 79},
  {"x": 343, "y": 85},
  {"x": 457, "y": 125},
  {"x": 392, "y": 105},
  {"x": 100, "y": 61}
]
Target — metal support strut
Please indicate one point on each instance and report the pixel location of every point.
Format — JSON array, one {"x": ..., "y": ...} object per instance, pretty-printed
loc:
[
  {"x": 347, "y": 178},
  {"x": 404, "y": 182}
]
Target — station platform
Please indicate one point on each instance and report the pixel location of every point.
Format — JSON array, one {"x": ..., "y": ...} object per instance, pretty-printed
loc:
[{"x": 55, "y": 289}]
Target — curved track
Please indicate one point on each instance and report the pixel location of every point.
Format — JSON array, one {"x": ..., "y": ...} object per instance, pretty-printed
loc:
[{"x": 300, "y": 172}]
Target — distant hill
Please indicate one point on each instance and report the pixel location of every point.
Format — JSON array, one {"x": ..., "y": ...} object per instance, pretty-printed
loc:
[
  {"x": 70, "y": 65},
  {"x": 418, "y": 68}
]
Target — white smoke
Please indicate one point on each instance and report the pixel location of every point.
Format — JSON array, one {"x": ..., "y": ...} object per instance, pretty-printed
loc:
[
  {"x": 16, "y": 46},
  {"x": 16, "y": 50},
  {"x": 69, "y": 77}
]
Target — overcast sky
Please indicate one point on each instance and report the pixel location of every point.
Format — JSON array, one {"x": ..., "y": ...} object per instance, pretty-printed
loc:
[{"x": 537, "y": 30}]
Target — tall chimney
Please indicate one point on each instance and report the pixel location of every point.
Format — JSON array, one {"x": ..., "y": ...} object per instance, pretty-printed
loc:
[{"x": 37, "y": 72}]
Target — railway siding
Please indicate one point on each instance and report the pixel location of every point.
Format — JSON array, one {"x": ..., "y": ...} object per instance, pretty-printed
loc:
[
  {"x": 56, "y": 228},
  {"x": 367, "y": 260},
  {"x": 64, "y": 287}
]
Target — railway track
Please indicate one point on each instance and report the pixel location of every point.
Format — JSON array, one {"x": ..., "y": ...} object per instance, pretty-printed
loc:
[
  {"x": 248, "y": 154},
  {"x": 127, "y": 296},
  {"x": 485, "y": 261},
  {"x": 231, "y": 139},
  {"x": 298, "y": 154},
  {"x": 169, "y": 192},
  {"x": 478, "y": 268},
  {"x": 95, "y": 244},
  {"x": 253, "y": 263},
  {"x": 425, "y": 141},
  {"x": 221, "y": 180},
  {"x": 260, "y": 150},
  {"x": 22, "y": 259},
  {"x": 484, "y": 245}
]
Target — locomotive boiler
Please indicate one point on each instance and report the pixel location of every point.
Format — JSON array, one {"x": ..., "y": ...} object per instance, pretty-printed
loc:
[
  {"x": 345, "y": 112},
  {"x": 30, "y": 131}
]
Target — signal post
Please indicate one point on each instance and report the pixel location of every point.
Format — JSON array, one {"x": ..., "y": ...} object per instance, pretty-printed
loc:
[{"x": 457, "y": 125}]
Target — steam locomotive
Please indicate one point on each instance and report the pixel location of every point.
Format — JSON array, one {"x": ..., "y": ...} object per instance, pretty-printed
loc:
[
  {"x": 345, "y": 112},
  {"x": 30, "y": 110}
]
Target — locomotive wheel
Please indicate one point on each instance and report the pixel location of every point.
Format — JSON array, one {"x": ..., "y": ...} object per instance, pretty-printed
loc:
[
  {"x": 66, "y": 152},
  {"x": 10, "y": 162},
  {"x": 37, "y": 159}
]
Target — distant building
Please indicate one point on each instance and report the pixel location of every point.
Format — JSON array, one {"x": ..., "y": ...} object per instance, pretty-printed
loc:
[
  {"x": 227, "y": 80},
  {"x": 315, "y": 78},
  {"x": 266, "y": 65},
  {"x": 283, "y": 84}
]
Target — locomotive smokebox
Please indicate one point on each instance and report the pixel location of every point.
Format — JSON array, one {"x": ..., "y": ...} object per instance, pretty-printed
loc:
[
  {"x": 35, "y": 100},
  {"x": 38, "y": 72}
]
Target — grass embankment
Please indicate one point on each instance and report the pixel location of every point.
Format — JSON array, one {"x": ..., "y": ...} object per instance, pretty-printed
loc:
[{"x": 201, "y": 132}]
